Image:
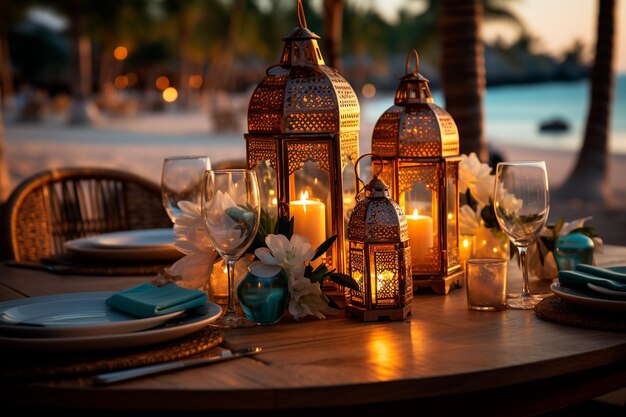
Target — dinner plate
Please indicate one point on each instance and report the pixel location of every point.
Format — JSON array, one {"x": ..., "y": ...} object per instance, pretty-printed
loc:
[
  {"x": 178, "y": 327},
  {"x": 612, "y": 293},
  {"x": 148, "y": 244},
  {"x": 589, "y": 299},
  {"x": 70, "y": 315}
]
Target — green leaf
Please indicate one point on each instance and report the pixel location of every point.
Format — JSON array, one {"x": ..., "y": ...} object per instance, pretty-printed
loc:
[
  {"x": 343, "y": 280},
  {"x": 324, "y": 247},
  {"x": 489, "y": 216},
  {"x": 284, "y": 226}
]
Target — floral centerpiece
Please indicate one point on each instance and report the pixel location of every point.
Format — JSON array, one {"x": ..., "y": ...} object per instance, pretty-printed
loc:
[{"x": 476, "y": 213}]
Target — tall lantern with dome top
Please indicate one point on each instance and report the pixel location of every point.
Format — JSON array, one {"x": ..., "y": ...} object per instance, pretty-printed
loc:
[
  {"x": 304, "y": 119},
  {"x": 418, "y": 142}
]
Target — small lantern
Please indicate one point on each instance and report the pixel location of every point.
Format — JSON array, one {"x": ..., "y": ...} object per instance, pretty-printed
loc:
[
  {"x": 419, "y": 145},
  {"x": 380, "y": 257},
  {"x": 304, "y": 118}
]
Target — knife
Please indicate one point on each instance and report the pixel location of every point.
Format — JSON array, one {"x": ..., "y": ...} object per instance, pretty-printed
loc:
[{"x": 125, "y": 375}]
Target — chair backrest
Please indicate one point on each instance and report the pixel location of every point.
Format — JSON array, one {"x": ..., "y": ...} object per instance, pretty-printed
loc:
[{"x": 54, "y": 206}]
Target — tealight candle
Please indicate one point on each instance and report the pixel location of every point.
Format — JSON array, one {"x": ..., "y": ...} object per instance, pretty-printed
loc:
[
  {"x": 421, "y": 235},
  {"x": 309, "y": 219}
]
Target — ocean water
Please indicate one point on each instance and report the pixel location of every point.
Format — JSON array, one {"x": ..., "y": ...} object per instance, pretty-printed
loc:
[{"x": 513, "y": 113}]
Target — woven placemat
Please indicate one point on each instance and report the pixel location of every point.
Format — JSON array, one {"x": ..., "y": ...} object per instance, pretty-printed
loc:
[
  {"x": 20, "y": 366},
  {"x": 560, "y": 311}
]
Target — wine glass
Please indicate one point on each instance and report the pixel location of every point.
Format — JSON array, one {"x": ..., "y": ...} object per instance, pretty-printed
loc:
[
  {"x": 231, "y": 212},
  {"x": 181, "y": 180},
  {"x": 522, "y": 201}
]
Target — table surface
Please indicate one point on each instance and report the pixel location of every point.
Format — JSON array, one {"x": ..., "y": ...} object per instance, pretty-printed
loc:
[{"x": 442, "y": 358}]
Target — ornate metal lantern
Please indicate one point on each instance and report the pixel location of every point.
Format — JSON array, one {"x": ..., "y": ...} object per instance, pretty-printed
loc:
[
  {"x": 380, "y": 257},
  {"x": 418, "y": 142},
  {"x": 304, "y": 118}
]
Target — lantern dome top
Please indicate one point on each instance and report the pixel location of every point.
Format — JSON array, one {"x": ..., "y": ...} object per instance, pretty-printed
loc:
[
  {"x": 302, "y": 95},
  {"x": 415, "y": 127},
  {"x": 376, "y": 218}
]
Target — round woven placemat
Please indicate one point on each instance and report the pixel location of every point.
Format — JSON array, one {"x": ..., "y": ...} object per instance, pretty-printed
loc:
[
  {"x": 19, "y": 366},
  {"x": 560, "y": 311}
]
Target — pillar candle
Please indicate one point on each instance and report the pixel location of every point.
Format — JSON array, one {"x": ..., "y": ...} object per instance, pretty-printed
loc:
[
  {"x": 309, "y": 219},
  {"x": 421, "y": 235}
]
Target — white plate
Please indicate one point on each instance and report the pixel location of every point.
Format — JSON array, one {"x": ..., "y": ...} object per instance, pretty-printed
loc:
[
  {"x": 134, "y": 239},
  {"x": 149, "y": 244},
  {"x": 588, "y": 299},
  {"x": 179, "y": 327},
  {"x": 70, "y": 315},
  {"x": 612, "y": 293}
]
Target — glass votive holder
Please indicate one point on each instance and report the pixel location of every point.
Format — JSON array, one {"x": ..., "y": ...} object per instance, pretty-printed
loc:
[
  {"x": 573, "y": 249},
  {"x": 485, "y": 281}
]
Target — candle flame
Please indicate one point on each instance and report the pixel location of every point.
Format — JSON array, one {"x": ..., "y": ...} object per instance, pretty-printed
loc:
[
  {"x": 304, "y": 196},
  {"x": 415, "y": 213},
  {"x": 466, "y": 243}
]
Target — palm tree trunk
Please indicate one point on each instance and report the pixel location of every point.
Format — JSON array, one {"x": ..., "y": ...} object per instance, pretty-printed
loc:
[
  {"x": 463, "y": 71},
  {"x": 333, "y": 12},
  {"x": 82, "y": 111},
  {"x": 589, "y": 180}
]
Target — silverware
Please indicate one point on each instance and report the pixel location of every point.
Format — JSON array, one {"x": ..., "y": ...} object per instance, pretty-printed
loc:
[{"x": 125, "y": 375}]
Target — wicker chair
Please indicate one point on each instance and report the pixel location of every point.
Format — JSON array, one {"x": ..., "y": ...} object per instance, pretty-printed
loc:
[{"x": 54, "y": 206}]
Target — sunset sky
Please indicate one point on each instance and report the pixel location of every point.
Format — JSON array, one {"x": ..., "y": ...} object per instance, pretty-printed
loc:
[{"x": 557, "y": 23}]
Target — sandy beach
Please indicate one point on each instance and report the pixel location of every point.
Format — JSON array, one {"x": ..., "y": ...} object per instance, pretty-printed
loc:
[{"x": 140, "y": 143}]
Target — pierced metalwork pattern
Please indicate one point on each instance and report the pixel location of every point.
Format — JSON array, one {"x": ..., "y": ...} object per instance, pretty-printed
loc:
[
  {"x": 308, "y": 90},
  {"x": 311, "y": 121},
  {"x": 349, "y": 143},
  {"x": 449, "y": 132},
  {"x": 357, "y": 271},
  {"x": 418, "y": 135},
  {"x": 453, "y": 257},
  {"x": 386, "y": 273},
  {"x": 265, "y": 110},
  {"x": 428, "y": 264},
  {"x": 261, "y": 149},
  {"x": 426, "y": 174},
  {"x": 385, "y": 222},
  {"x": 385, "y": 136},
  {"x": 408, "y": 282},
  {"x": 299, "y": 153},
  {"x": 349, "y": 109}
]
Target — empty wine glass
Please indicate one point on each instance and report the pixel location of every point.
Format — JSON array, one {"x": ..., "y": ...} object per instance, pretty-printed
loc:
[
  {"x": 181, "y": 180},
  {"x": 522, "y": 201},
  {"x": 231, "y": 212}
]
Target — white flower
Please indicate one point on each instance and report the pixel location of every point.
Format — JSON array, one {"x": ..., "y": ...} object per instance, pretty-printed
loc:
[
  {"x": 509, "y": 203},
  {"x": 475, "y": 175},
  {"x": 306, "y": 297},
  {"x": 192, "y": 239},
  {"x": 469, "y": 220}
]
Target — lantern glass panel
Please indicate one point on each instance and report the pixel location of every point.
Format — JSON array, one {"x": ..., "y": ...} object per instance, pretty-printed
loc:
[
  {"x": 451, "y": 212},
  {"x": 311, "y": 203},
  {"x": 348, "y": 192},
  {"x": 384, "y": 265}
]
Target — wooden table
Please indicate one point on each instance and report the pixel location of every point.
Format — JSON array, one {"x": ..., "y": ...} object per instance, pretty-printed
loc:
[{"x": 443, "y": 359}]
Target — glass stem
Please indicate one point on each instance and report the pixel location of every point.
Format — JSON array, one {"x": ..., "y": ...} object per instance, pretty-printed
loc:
[
  {"x": 231, "y": 288},
  {"x": 524, "y": 260}
]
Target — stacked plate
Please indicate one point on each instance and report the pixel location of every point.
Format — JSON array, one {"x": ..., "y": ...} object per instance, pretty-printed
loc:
[
  {"x": 147, "y": 244},
  {"x": 596, "y": 292},
  {"x": 83, "y": 321}
]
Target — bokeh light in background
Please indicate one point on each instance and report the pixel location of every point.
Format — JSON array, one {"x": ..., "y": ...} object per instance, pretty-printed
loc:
[
  {"x": 120, "y": 53},
  {"x": 170, "y": 94},
  {"x": 162, "y": 82},
  {"x": 121, "y": 82},
  {"x": 368, "y": 90},
  {"x": 195, "y": 81},
  {"x": 132, "y": 78}
]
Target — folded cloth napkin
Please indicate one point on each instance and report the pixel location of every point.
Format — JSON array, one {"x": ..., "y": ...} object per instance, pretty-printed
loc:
[
  {"x": 578, "y": 279},
  {"x": 148, "y": 300},
  {"x": 608, "y": 273}
]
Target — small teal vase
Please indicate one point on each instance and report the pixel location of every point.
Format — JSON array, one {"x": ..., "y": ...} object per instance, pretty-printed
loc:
[
  {"x": 263, "y": 299},
  {"x": 573, "y": 249}
]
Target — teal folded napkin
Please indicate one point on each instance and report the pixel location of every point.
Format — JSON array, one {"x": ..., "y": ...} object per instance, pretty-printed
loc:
[
  {"x": 148, "y": 300},
  {"x": 612, "y": 273},
  {"x": 578, "y": 279}
]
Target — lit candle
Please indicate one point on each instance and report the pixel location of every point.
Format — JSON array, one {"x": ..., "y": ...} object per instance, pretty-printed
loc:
[
  {"x": 309, "y": 219},
  {"x": 382, "y": 280},
  {"x": 466, "y": 248},
  {"x": 421, "y": 235}
]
